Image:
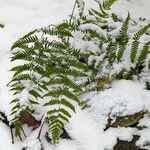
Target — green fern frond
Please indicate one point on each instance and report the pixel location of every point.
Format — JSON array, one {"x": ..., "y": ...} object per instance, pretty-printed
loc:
[
  {"x": 123, "y": 38},
  {"x": 58, "y": 117},
  {"x": 103, "y": 11},
  {"x": 135, "y": 43},
  {"x": 121, "y": 50},
  {"x": 18, "y": 88},
  {"x": 21, "y": 77},
  {"x": 80, "y": 5},
  {"x": 65, "y": 71},
  {"x": 55, "y": 128},
  {"x": 143, "y": 30},
  {"x": 108, "y": 3},
  {"x": 134, "y": 48},
  {"x": 75, "y": 63},
  {"x": 18, "y": 127},
  {"x": 21, "y": 56},
  {"x": 57, "y": 32},
  {"x": 52, "y": 44},
  {"x": 21, "y": 68},
  {"x": 35, "y": 94},
  {"x": 62, "y": 102},
  {"x": 102, "y": 15},
  {"x": 111, "y": 51},
  {"x": 25, "y": 40},
  {"x": 144, "y": 53},
  {"x": 62, "y": 92},
  {"x": 25, "y": 54},
  {"x": 97, "y": 14},
  {"x": 64, "y": 81},
  {"x": 93, "y": 34},
  {"x": 68, "y": 25},
  {"x": 115, "y": 17},
  {"x": 124, "y": 27}
]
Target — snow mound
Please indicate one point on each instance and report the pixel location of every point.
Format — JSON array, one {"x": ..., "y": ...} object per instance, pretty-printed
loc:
[{"x": 124, "y": 98}]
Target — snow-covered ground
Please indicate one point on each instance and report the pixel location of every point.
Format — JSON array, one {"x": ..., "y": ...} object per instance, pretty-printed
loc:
[{"x": 86, "y": 127}]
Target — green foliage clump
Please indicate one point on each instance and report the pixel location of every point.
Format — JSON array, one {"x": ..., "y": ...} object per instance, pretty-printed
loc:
[
  {"x": 48, "y": 72},
  {"x": 120, "y": 53},
  {"x": 58, "y": 63}
]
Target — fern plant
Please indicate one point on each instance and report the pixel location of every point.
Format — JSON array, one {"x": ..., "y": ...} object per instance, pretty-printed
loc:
[
  {"x": 109, "y": 45},
  {"x": 137, "y": 57},
  {"x": 60, "y": 62},
  {"x": 103, "y": 13},
  {"x": 25, "y": 84},
  {"x": 123, "y": 38},
  {"x": 49, "y": 71},
  {"x": 135, "y": 43},
  {"x": 108, "y": 50}
]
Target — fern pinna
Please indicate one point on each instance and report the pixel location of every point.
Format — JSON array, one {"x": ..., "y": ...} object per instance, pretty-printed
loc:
[
  {"x": 49, "y": 70},
  {"x": 103, "y": 13}
]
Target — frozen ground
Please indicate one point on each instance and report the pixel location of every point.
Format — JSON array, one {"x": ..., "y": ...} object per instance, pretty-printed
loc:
[{"x": 22, "y": 16}]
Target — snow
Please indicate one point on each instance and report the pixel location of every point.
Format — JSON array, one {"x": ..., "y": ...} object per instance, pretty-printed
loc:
[
  {"x": 94, "y": 28},
  {"x": 144, "y": 134},
  {"x": 5, "y": 139},
  {"x": 136, "y": 8},
  {"x": 84, "y": 45},
  {"x": 144, "y": 121},
  {"x": 34, "y": 144},
  {"x": 124, "y": 98},
  {"x": 144, "y": 139},
  {"x": 67, "y": 145},
  {"x": 86, "y": 127},
  {"x": 89, "y": 132}
]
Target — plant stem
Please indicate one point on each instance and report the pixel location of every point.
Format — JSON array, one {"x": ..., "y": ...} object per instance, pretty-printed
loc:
[
  {"x": 71, "y": 16},
  {"x": 73, "y": 10},
  {"x": 12, "y": 136},
  {"x": 41, "y": 130},
  {"x": 6, "y": 122}
]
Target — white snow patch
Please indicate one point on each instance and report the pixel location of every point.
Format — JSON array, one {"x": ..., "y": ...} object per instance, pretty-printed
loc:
[
  {"x": 5, "y": 139},
  {"x": 124, "y": 98}
]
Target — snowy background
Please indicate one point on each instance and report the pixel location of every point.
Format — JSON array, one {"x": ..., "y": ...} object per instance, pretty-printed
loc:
[{"x": 22, "y": 16}]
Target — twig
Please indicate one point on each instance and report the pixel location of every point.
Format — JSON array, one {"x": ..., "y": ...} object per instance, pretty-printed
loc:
[
  {"x": 39, "y": 134},
  {"x": 20, "y": 137},
  {"x": 12, "y": 136},
  {"x": 23, "y": 132},
  {"x": 73, "y": 10},
  {"x": 6, "y": 122},
  {"x": 71, "y": 16}
]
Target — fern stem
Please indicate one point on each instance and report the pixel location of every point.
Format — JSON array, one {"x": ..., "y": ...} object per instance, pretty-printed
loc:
[
  {"x": 73, "y": 10},
  {"x": 71, "y": 16},
  {"x": 12, "y": 136},
  {"x": 23, "y": 132},
  {"x": 39, "y": 134}
]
